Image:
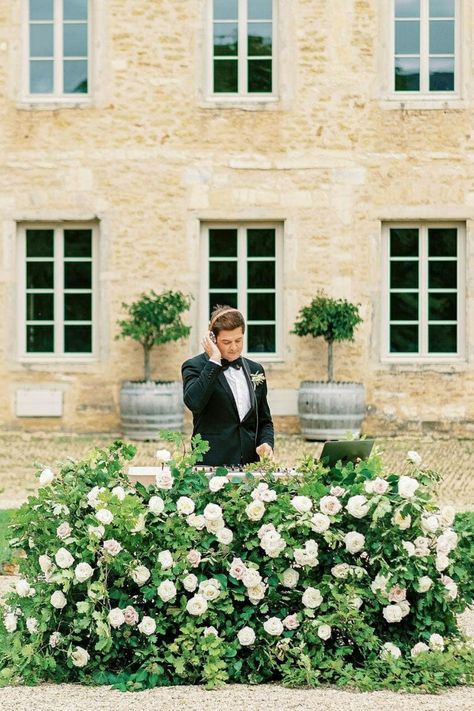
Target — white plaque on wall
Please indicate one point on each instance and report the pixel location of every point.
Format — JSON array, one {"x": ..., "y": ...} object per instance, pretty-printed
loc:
[{"x": 38, "y": 402}]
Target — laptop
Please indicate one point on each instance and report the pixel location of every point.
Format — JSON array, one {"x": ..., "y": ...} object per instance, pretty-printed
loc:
[{"x": 346, "y": 450}]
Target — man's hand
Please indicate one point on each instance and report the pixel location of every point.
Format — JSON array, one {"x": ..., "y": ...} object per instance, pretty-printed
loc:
[
  {"x": 211, "y": 348},
  {"x": 264, "y": 450}
]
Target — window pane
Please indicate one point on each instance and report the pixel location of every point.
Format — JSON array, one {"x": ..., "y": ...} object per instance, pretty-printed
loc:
[
  {"x": 41, "y": 9},
  {"x": 442, "y": 275},
  {"x": 260, "y": 75},
  {"x": 75, "y": 40},
  {"x": 75, "y": 77},
  {"x": 226, "y": 9},
  {"x": 223, "y": 275},
  {"x": 39, "y": 339},
  {"x": 259, "y": 39},
  {"x": 404, "y": 307},
  {"x": 222, "y": 243},
  {"x": 407, "y": 37},
  {"x": 40, "y": 307},
  {"x": 407, "y": 74},
  {"x": 442, "y": 307},
  {"x": 77, "y": 307},
  {"x": 442, "y": 339},
  {"x": 442, "y": 242},
  {"x": 404, "y": 242},
  {"x": 77, "y": 275},
  {"x": 261, "y": 242},
  {"x": 77, "y": 339},
  {"x": 261, "y": 307},
  {"x": 41, "y": 77},
  {"x": 261, "y": 339},
  {"x": 441, "y": 8},
  {"x": 261, "y": 275},
  {"x": 260, "y": 9},
  {"x": 222, "y": 299},
  {"x": 77, "y": 243},
  {"x": 41, "y": 41},
  {"x": 404, "y": 275},
  {"x": 442, "y": 37},
  {"x": 407, "y": 8},
  {"x": 225, "y": 75},
  {"x": 225, "y": 39},
  {"x": 40, "y": 275},
  {"x": 75, "y": 9},
  {"x": 441, "y": 73},
  {"x": 39, "y": 243},
  {"x": 404, "y": 339}
]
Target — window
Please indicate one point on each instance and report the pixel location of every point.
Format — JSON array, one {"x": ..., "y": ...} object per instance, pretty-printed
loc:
[
  {"x": 243, "y": 47},
  {"x": 58, "y": 48},
  {"x": 425, "y": 42},
  {"x": 243, "y": 271},
  {"x": 425, "y": 293},
  {"x": 57, "y": 292}
]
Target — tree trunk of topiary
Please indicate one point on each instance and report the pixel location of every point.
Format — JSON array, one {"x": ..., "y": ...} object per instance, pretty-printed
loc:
[
  {"x": 146, "y": 353},
  {"x": 330, "y": 362}
]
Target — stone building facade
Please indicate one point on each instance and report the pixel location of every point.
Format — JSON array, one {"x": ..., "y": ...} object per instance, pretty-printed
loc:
[{"x": 257, "y": 150}]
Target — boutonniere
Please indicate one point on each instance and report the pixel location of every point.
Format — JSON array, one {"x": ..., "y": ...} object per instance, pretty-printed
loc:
[{"x": 257, "y": 379}]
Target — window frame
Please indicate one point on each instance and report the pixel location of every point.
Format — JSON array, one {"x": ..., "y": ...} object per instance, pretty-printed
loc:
[
  {"x": 57, "y": 357},
  {"x": 242, "y": 291},
  {"x": 423, "y": 356}
]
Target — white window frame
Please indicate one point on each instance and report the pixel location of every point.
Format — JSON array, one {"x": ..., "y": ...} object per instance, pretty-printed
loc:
[
  {"x": 56, "y": 96},
  {"x": 423, "y": 356},
  {"x": 59, "y": 355},
  {"x": 242, "y": 62},
  {"x": 242, "y": 290}
]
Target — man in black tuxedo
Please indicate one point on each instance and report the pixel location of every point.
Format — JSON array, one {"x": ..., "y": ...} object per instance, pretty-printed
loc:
[{"x": 227, "y": 395}]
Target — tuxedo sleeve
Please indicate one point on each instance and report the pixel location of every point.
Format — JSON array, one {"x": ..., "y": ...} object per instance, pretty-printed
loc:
[
  {"x": 199, "y": 384},
  {"x": 265, "y": 424}
]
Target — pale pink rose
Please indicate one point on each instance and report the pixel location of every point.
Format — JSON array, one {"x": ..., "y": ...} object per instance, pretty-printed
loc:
[
  {"x": 330, "y": 505},
  {"x": 164, "y": 480},
  {"x": 63, "y": 530},
  {"x": 194, "y": 558},
  {"x": 112, "y": 546},
  {"x": 337, "y": 491},
  {"x": 291, "y": 622},
  {"x": 397, "y": 594},
  {"x": 130, "y": 615},
  {"x": 237, "y": 569}
]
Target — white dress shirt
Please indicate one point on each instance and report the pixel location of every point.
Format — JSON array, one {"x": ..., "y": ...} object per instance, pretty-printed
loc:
[{"x": 240, "y": 389}]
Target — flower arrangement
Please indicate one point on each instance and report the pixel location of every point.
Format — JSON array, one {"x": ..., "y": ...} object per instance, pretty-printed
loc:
[
  {"x": 257, "y": 379},
  {"x": 346, "y": 576}
]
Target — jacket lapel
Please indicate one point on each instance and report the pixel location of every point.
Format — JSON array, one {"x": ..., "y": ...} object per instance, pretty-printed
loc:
[
  {"x": 228, "y": 389},
  {"x": 253, "y": 396}
]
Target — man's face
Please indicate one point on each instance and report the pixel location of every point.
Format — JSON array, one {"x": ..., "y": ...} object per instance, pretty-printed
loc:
[{"x": 230, "y": 343}]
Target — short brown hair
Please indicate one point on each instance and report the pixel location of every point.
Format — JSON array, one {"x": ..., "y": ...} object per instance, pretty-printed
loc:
[{"x": 225, "y": 318}]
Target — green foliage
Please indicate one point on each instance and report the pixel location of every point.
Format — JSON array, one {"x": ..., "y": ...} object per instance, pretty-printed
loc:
[
  {"x": 333, "y": 319},
  {"x": 6, "y": 554}
]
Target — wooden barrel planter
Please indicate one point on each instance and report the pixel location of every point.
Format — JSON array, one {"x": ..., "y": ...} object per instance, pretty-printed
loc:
[
  {"x": 146, "y": 408},
  {"x": 329, "y": 410}
]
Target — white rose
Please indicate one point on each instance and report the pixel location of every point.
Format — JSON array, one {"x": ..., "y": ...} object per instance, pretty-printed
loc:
[
  {"x": 163, "y": 455},
  {"x": 356, "y": 603},
  {"x": 237, "y": 569},
  {"x": 251, "y": 578},
  {"x": 341, "y": 570},
  {"x": 197, "y": 605},
  {"x": 324, "y": 631},
  {"x": 212, "y": 512},
  {"x": 302, "y": 504},
  {"x": 451, "y": 587},
  {"x": 210, "y": 589},
  {"x": 10, "y": 622},
  {"x": 337, "y": 491},
  {"x": 263, "y": 493},
  {"x": 404, "y": 606},
  {"x": 32, "y": 625},
  {"x": 354, "y": 541},
  {"x": 446, "y": 516},
  {"x": 447, "y": 542},
  {"x": 255, "y": 510},
  {"x": 312, "y": 598},
  {"x": 273, "y": 626},
  {"x": 185, "y": 505},
  {"x": 246, "y": 636},
  {"x": 422, "y": 546},
  {"x": 419, "y": 648},
  {"x": 83, "y": 571},
  {"x": 397, "y": 594},
  {"x": 190, "y": 582},
  {"x": 424, "y": 583},
  {"x": 392, "y": 613},
  {"x": 357, "y": 506},
  {"x": 403, "y": 522},
  {"x": 376, "y": 486},
  {"x": 45, "y": 563},
  {"x": 93, "y": 496},
  {"x": 23, "y": 588},
  {"x": 436, "y": 642},
  {"x": 225, "y": 536},
  {"x": 147, "y": 626},
  {"x": 165, "y": 559},
  {"x": 214, "y": 526},
  {"x": 63, "y": 558},
  {"x": 96, "y": 531},
  {"x": 139, "y": 524},
  {"x": 80, "y": 657},
  {"x": 119, "y": 492},
  {"x": 46, "y": 477},
  {"x": 112, "y": 546},
  {"x": 330, "y": 505},
  {"x": 116, "y": 617},
  {"x": 257, "y": 593},
  {"x": 164, "y": 480},
  {"x": 380, "y": 582},
  {"x": 216, "y": 483},
  {"x": 291, "y": 622},
  {"x": 194, "y": 557},
  {"x": 289, "y": 578},
  {"x": 140, "y": 574},
  {"x": 390, "y": 650},
  {"x": 58, "y": 600},
  {"x": 407, "y": 487},
  {"x": 130, "y": 615},
  {"x": 197, "y": 522},
  {"x": 54, "y": 639},
  {"x": 156, "y": 505},
  {"x": 210, "y": 631},
  {"x": 414, "y": 458},
  {"x": 429, "y": 524},
  {"x": 167, "y": 590},
  {"x": 104, "y": 516},
  {"x": 442, "y": 562},
  {"x": 320, "y": 522},
  {"x": 409, "y": 547},
  {"x": 63, "y": 530}
]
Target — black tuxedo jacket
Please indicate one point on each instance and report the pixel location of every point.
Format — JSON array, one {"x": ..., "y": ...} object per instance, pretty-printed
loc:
[{"x": 215, "y": 416}]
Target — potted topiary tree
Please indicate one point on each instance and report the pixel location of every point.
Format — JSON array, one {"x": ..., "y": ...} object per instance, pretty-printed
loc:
[
  {"x": 148, "y": 406},
  {"x": 330, "y": 409}
]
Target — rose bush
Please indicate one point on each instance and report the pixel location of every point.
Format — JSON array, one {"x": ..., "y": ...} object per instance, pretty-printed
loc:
[{"x": 349, "y": 575}]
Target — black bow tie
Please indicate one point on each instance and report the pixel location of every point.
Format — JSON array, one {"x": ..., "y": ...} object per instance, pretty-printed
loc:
[{"x": 237, "y": 363}]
